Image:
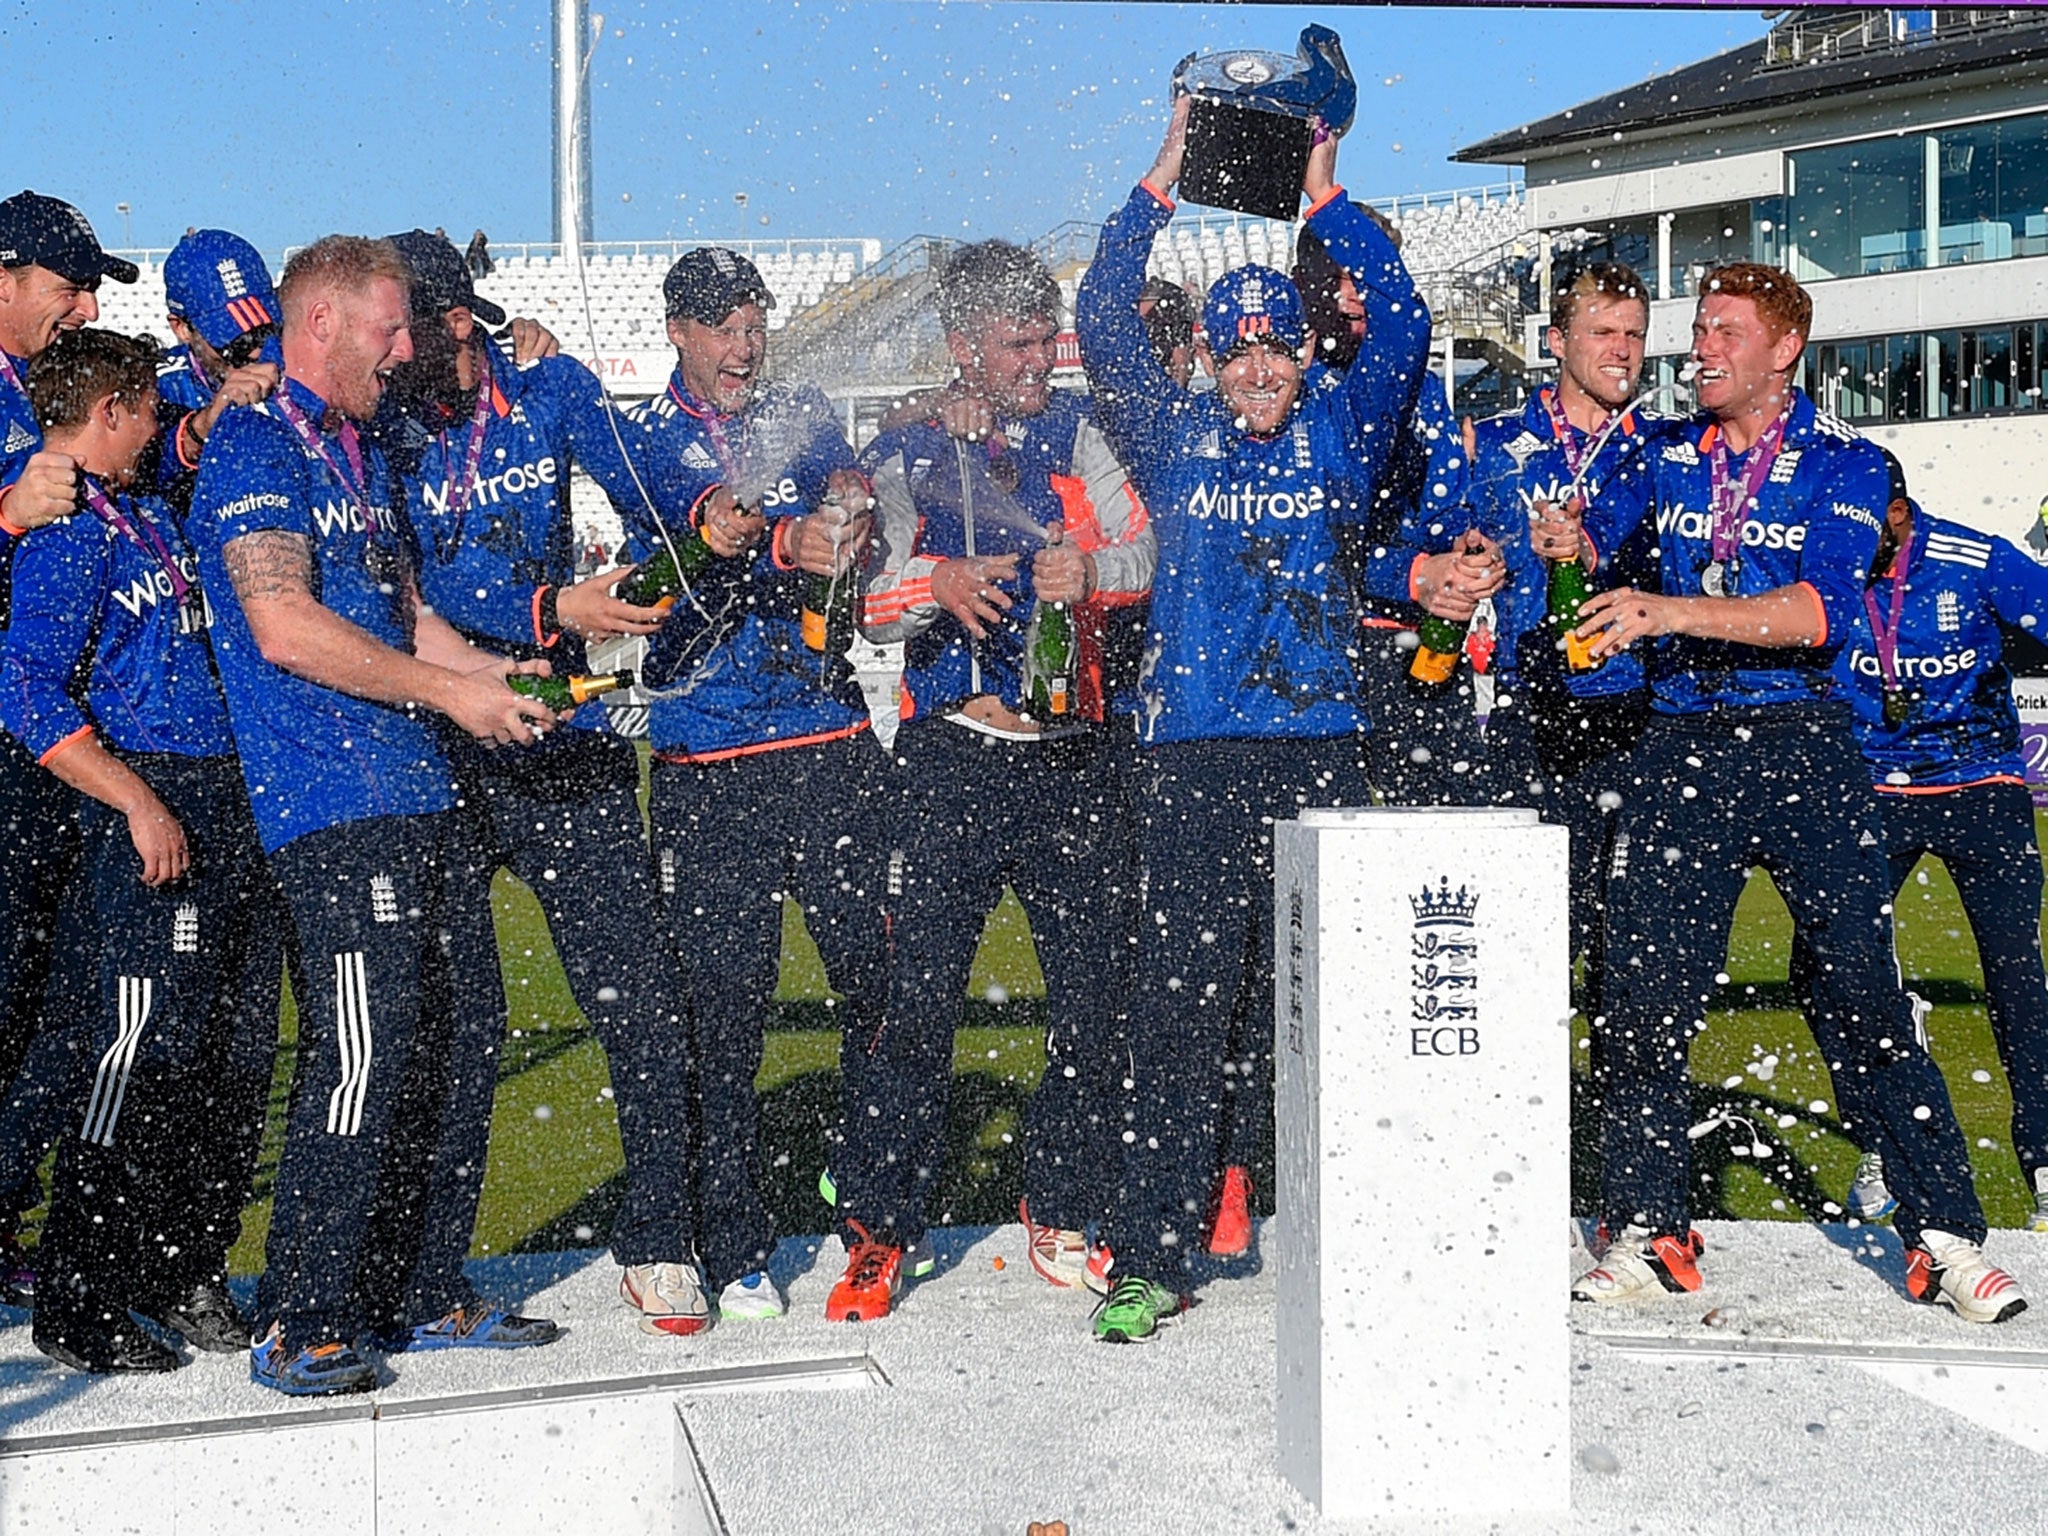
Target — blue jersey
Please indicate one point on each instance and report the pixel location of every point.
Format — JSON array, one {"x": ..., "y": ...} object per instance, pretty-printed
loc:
[
  {"x": 313, "y": 757},
  {"x": 758, "y": 686},
  {"x": 1814, "y": 523},
  {"x": 1254, "y": 627},
  {"x": 489, "y": 555},
  {"x": 98, "y": 637},
  {"x": 182, "y": 387},
  {"x": 1961, "y": 589},
  {"x": 945, "y": 499},
  {"x": 19, "y": 438},
  {"x": 1521, "y": 458}
]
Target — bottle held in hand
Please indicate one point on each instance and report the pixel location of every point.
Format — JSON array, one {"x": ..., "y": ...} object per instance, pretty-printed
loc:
[
  {"x": 566, "y": 693},
  {"x": 660, "y": 579},
  {"x": 1569, "y": 590},
  {"x": 828, "y": 603},
  {"x": 1050, "y": 657}
]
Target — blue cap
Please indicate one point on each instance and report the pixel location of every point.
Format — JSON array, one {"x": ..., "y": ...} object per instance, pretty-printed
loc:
[
  {"x": 1253, "y": 303},
  {"x": 217, "y": 284},
  {"x": 47, "y": 232}
]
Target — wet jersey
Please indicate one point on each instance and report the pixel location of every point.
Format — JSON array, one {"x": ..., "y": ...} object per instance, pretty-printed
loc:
[
  {"x": 939, "y": 498},
  {"x": 19, "y": 438},
  {"x": 313, "y": 757},
  {"x": 1254, "y": 626},
  {"x": 1961, "y": 589},
  {"x": 1518, "y": 459},
  {"x": 1814, "y": 523},
  {"x": 752, "y": 685},
  {"x": 495, "y": 539},
  {"x": 99, "y": 637}
]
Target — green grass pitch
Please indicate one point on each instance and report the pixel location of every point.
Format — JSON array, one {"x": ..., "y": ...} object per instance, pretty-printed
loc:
[{"x": 555, "y": 1163}]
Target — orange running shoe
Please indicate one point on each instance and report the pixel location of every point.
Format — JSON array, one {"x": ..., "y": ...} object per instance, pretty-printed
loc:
[
  {"x": 1230, "y": 1228},
  {"x": 874, "y": 1274}
]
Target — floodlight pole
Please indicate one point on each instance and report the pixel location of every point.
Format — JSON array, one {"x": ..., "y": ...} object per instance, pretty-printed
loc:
[{"x": 572, "y": 43}]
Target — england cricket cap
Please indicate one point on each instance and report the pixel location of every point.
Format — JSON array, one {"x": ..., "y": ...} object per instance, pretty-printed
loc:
[
  {"x": 709, "y": 283},
  {"x": 38, "y": 231},
  {"x": 441, "y": 280},
  {"x": 1252, "y": 303},
  {"x": 217, "y": 283}
]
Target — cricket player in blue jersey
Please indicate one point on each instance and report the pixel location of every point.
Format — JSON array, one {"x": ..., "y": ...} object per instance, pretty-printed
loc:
[
  {"x": 766, "y": 780},
  {"x": 1251, "y": 707},
  {"x": 485, "y": 450},
  {"x": 151, "y": 1179},
  {"x": 328, "y": 661},
  {"x": 223, "y": 312},
  {"x": 1768, "y": 513},
  {"x": 999, "y": 473},
  {"x": 1935, "y": 718},
  {"x": 1556, "y": 736},
  {"x": 1424, "y": 747},
  {"x": 51, "y": 266}
]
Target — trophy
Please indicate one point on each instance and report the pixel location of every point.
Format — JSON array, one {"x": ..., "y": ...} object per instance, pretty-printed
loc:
[{"x": 1248, "y": 130}]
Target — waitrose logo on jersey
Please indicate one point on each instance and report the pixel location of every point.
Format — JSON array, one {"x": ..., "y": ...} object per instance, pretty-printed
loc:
[
  {"x": 1688, "y": 524},
  {"x": 1246, "y": 504},
  {"x": 1865, "y": 664}
]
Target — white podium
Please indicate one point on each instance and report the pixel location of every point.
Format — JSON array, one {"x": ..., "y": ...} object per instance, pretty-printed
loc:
[{"x": 1423, "y": 1004}]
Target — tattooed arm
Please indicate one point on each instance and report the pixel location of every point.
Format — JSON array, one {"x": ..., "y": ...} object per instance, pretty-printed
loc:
[{"x": 272, "y": 572}]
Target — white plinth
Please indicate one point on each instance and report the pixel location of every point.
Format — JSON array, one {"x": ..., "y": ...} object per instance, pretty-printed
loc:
[{"x": 1422, "y": 1012}]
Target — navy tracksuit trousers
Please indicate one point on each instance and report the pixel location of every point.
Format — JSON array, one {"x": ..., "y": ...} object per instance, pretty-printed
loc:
[
  {"x": 46, "y": 968},
  {"x": 155, "y": 1168},
  {"x": 400, "y": 1016},
  {"x": 566, "y": 823},
  {"x": 1569, "y": 759},
  {"x": 732, "y": 838},
  {"x": 1712, "y": 797},
  {"x": 1984, "y": 836},
  {"x": 1424, "y": 747},
  {"x": 975, "y": 814},
  {"x": 1204, "y": 817}
]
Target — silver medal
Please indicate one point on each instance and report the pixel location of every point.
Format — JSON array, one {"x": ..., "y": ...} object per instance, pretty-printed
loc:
[{"x": 1714, "y": 579}]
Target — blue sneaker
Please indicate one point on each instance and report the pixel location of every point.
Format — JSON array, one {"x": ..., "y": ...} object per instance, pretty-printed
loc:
[
  {"x": 478, "y": 1327},
  {"x": 319, "y": 1370}
]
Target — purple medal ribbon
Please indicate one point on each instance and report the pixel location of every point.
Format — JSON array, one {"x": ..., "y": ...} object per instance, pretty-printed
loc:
[
  {"x": 460, "y": 489},
  {"x": 1732, "y": 497},
  {"x": 140, "y": 532},
  {"x": 198, "y": 371},
  {"x": 7, "y": 372},
  {"x": 1566, "y": 434},
  {"x": 353, "y": 485},
  {"x": 1886, "y": 639}
]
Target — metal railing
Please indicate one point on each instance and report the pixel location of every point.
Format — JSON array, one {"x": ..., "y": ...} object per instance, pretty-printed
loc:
[{"x": 1810, "y": 38}]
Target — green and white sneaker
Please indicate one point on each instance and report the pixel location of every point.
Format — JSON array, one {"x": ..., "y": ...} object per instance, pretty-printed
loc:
[
  {"x": 752, "y": 1296},
  {"x": 2037, "y": 1219},
  {"x": 1869, "y": 1198},
  {"x": 1133, "y": 1310}
]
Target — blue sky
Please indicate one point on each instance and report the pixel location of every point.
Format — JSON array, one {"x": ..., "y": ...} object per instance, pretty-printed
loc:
[{"x": 835, "y": 117}]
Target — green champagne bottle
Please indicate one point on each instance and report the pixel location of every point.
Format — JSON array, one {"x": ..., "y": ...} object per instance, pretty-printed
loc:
[
  {"x": 1568, "y": 592},
  {"x": 562, "y": 693},
  {"x": 659, "y": 580},
  {"x": 828, "y": 606},
  {"x": 1050, "y": 655}
]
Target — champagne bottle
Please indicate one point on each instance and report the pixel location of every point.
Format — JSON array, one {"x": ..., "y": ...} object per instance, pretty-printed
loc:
[
  {"x": 828, "y": 605},
  {"x": 1568, "y": 591},
  {"x": 1050, "y": 658},
  {"x": 1436, "y": 651},
  {"x": 659, "y": 580},
  {"x": 562, "y": 693}
]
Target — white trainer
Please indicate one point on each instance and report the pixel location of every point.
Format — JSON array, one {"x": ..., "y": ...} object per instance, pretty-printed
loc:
[
  {"x": 1638, "y": 1265},
  {"x": 753, "y": 1296},
  {"x": 2037, "y": 1218},
  {"x": 1869, "y": 1198},
  {"x": 1953, "y": 1272},
  {"x": 668, "y": 1297},
  {"x": 1057, "y": 1254}
]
